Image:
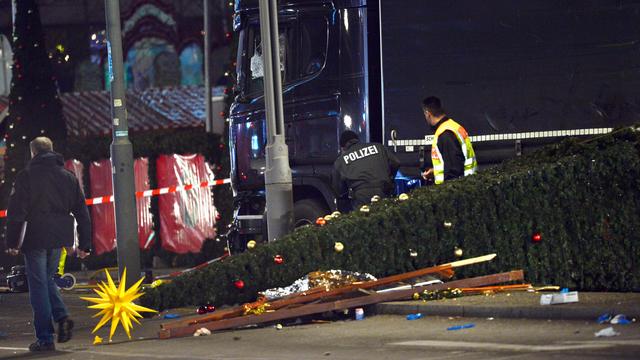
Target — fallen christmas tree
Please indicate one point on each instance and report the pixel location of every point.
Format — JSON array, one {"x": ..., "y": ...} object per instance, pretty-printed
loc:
[{"x": 567, "y": 215}]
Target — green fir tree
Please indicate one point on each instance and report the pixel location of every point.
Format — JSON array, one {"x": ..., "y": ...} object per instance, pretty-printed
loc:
[{"x": 34, "y": 105}]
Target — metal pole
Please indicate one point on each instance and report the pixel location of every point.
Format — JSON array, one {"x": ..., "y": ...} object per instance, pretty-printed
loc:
[
  {"x": 207, "y": 67},
  {"x": 121, "y": 153},
  {"x": 277, "y": 176}
]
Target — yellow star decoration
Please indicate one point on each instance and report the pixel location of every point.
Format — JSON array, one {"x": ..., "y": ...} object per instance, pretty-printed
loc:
[{"x": 116, "y": 304}]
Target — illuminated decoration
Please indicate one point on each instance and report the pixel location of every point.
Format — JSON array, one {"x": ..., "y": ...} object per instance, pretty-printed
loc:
[
  {"x": 457, "y": 252},
  {"x": 403, "y": 197},
  {"x": 375, "y": 198},
  {"x": 338, "y": 246},
  {"x": 364, "y": 209},
  {"x": 251, "y": 244},
  {"x": 239, "y": 284},
  {"x": 536, "y": 238},
  {"x": 116, "y": 304}
]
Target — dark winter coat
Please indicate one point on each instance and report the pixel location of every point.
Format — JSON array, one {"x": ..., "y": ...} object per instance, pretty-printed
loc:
[
  {"x": 46, "y": 195},
  {"x": 364, "y": 169}
]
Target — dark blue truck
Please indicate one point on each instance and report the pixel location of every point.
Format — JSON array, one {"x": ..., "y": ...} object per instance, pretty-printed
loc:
[{"x": 516, "y": 74}]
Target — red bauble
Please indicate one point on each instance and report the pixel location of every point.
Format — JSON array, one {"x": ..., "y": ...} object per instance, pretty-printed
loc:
[
  {"x": 239, "y": 284},
  {"x": 201, "y": 310},
  {"x": 210, "y": 308},
  {"x": 278, "y": 259},
  {"x": 321, "y": 221},
  {"x": 536, "y": 238}
]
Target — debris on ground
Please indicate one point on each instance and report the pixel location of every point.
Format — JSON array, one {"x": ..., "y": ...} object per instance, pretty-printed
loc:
[
  {"x": 620, "y": 319},
  {"x": 559, "y": 298},
  {"x": 202, "y": 332},
  {"x": 607, "y": 332},
  {"x": 415, "y": 316},
  {"x": 461, "y": 327},
  {"x": 320, "y": 299}
]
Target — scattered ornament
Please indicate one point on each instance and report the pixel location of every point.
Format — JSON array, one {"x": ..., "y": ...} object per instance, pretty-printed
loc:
[
  {"x": 201, "y": 310},
  {"x": 278, "y": 259},
  {"x": 447, "y": 224},
  {"x": 458, "y": 252},
  {"x": 328, "y": 217},
  {"x": 336, "y": 214},
  {"x": 338, "y": 246},
  {"x": 239, "y": 284},
  {"x": 416, "y": 296},
  {"x": 375, "y": 199},
  {"x": 403, "y": 197},
  {"x": 251, "y": 244},
  {"x": 97, "y": 340},
  {"x": 364, "y": 209},
  {"x": 413, "y": 253},
  {"x": 202, "y": 332},
  {"x": 536, "y": 238},
  {"x": 116, "y": 304},
  {"x": 321, "y": 221},
  {"x": 278, "y": 326},
  {"x": 210, "y": 308},
  {"x": 157, "y": 283}
]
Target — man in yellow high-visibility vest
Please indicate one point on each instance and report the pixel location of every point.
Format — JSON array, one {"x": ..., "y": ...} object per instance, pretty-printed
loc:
[{"x": 452, "y": 154}]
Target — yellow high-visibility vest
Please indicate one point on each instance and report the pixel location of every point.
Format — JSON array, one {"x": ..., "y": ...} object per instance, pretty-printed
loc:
[{"x": 470, "y": 163}]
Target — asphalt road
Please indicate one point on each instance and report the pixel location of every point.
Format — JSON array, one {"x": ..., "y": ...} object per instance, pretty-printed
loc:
[{"x": 375, "y": 337}]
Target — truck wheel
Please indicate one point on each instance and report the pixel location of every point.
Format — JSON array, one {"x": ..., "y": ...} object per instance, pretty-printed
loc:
[{"x": 306, "y": 211}]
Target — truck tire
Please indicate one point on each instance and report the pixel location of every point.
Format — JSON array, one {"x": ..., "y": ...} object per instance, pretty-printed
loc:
[{"x": 306, "y": 211}]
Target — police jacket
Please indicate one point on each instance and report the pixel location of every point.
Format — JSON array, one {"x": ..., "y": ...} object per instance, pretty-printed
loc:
[
  {"x": 364, "y": 165},
  {"x": 45, "y": 195}
]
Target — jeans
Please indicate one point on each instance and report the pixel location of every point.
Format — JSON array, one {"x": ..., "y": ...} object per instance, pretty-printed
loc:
[{"x": 46, "y": 302}]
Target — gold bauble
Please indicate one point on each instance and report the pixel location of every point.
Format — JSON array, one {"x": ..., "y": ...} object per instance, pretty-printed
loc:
[
  {"x": 375, "y": 198},
  {"x": 364, "y": 209},
  {"x": 458, "y": 252},
  {"x": 403, "y": 197},
  {"x": 251, "y": 244},
  {"x": 338, "y": 246}
]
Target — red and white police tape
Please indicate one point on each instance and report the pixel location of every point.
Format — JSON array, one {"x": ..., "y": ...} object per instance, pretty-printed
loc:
[{"x": 149, "y": 193}]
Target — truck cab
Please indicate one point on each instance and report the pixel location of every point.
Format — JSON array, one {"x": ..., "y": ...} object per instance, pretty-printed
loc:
[{"x": 325, "y": 91}]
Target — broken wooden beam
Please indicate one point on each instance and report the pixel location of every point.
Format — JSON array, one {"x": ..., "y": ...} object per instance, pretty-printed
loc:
[
  {"x": 446, "y": 270},
  {"x": 309, "y": 309}
]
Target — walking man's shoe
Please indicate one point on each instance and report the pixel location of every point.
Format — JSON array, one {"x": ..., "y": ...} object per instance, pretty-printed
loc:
[
  {"x": 64, "y": 330},
  {"x": 41, "y": 346}
]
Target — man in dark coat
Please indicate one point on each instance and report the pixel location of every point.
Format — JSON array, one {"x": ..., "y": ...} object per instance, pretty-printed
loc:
[
  {"x": 363, "y": 170},
  {"x": 44, "y": 201}
]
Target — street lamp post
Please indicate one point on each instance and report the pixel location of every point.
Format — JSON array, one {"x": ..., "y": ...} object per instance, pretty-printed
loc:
[
  {"x": 121, "y": 153},
  {"x": 277, "y": 176}
]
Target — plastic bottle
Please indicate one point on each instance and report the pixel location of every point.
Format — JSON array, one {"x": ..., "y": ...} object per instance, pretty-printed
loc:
[
  {"x": 415, "y": 316},
  {"x": 359, "y": 313}
]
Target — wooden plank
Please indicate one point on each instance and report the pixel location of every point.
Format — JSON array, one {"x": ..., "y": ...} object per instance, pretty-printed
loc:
[
  {"x": 309, "y": 309},
  {"x": 446, "y": 270}
]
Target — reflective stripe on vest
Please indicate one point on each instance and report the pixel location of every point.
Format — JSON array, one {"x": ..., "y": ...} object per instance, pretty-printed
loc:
[{"x": 470, "y": 163}]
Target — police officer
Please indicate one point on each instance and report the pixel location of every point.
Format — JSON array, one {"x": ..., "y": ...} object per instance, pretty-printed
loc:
[
  {"x": 452, "y": 154},
  {"x": 363, "y": 170}
]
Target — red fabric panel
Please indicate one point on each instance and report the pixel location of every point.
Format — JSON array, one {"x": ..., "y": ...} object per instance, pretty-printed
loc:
[
  {"x": 102, "y": 215},
  {"x": 77, "y": 169},
  {"x": 187, "y": 218},
  {"x": 145, "y": 222}
]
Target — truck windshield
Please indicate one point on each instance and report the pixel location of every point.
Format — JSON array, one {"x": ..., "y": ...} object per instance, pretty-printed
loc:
[{"x": 305, "y": 37}]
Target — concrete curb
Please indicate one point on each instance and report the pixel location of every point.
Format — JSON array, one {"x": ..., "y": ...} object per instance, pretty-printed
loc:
[{"x": 524, "y": 312}]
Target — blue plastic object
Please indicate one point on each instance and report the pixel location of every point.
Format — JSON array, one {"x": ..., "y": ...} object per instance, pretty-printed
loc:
[
  {"x": 564, "y": 290},
  {"x": 171, "y": 316},
  {"x": 415, "y": 316},
  {"x": 604, "y": 318},
  {"x": 460, "y": 327}
]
